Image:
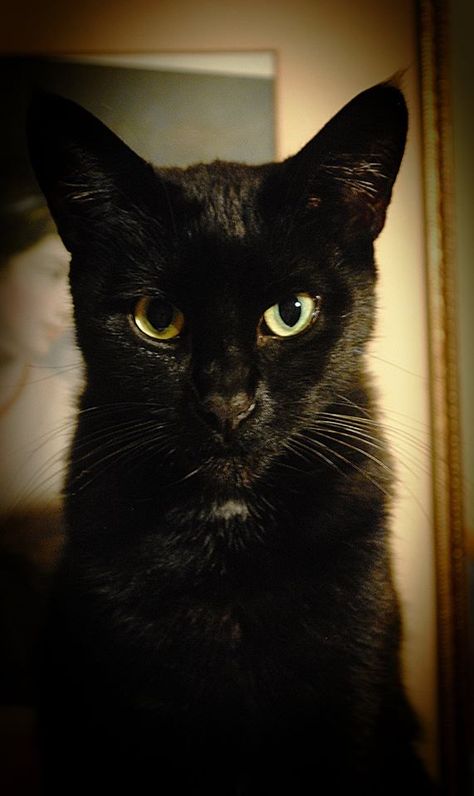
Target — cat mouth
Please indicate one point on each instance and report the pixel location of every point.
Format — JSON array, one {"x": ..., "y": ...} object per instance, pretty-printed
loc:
[
  {"x": 238, "y": 462},
  {"x": 231, "y": 471}
]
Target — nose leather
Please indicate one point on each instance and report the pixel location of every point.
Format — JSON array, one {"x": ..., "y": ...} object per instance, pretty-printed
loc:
[
  {"x": 224, "y": 382},
  {"x": 228, "y": 412}
]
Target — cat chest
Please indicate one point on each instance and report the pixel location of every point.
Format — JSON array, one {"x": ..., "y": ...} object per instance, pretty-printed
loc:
[{"x": 226, "y": 660}]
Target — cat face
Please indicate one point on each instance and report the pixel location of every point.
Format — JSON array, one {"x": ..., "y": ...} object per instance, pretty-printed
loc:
[{"x": 222, "y": 307}]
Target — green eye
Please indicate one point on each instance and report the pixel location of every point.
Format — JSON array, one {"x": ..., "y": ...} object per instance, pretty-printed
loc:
[
  {"x": 158, "y": 318},
  {"x": 293, "y": 315}
]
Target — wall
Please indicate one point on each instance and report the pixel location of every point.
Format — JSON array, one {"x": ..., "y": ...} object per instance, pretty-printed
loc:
[{"x": 328, "y": 50}]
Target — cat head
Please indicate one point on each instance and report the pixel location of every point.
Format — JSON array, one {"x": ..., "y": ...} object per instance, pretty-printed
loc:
[{"x": 222, "y": 306}]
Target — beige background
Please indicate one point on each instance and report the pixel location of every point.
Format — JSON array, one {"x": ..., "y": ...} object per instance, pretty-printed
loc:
[{"x": 327, "y": 51}]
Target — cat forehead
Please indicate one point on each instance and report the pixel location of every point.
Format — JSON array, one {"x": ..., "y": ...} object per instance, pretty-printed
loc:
[{"x": 223, "y": 196}]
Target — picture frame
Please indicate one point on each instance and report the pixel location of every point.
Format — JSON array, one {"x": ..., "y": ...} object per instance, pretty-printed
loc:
[{"x": 449, "y": 526}]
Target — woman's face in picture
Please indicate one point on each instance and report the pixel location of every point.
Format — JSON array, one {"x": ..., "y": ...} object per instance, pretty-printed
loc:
[{"x": 35, "y": 307}]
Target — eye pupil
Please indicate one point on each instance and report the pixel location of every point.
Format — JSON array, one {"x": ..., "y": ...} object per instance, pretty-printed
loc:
[
  {"x": 160, "y": 313},
  {"x": 290, "y": 311},
  {"x": 291, "y": 316},
  {"x": 158, "y": 318}
]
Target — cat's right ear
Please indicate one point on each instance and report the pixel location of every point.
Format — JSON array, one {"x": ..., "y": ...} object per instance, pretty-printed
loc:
[
  {"x": 343, "y": 178},
  {"x": 82, "y": 167}
]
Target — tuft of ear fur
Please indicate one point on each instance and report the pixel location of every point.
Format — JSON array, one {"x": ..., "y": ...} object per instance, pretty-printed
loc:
[
  {"x": 82, "y": 167},
  {"x": 349, "y": 167}
]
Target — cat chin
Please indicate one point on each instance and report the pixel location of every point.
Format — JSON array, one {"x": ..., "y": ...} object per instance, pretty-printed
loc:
[{"x": 232, "y": 473}]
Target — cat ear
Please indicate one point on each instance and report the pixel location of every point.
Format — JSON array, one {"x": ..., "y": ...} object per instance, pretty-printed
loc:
[
  {"x": 347, "y": 171},
  {"x": 82, "y": 167}
]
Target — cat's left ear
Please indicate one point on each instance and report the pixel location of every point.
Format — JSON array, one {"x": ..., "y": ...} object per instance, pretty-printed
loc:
[
  {"x": 87, "y": 173},
  {"x": 347, "y": 171}
]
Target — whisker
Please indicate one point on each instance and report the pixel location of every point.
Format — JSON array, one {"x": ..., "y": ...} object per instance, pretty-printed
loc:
[
  {"x": 113, "y": 458},
  {"x": 398, "y": 367},
  {"x": 300, "y": 444},
  {"x": 363, "y": 430},
  {"x": 380, "y": 463},
  {"x": 384, "y": 410},
  {"x": 365, "y": 453},
  {"x": 382, "y": 425},
  {"x": 107, "y": 435},
  {"x": 403, "y": 456},
  {"x": 37, "y": 484},
  {"x": 312, "y": 441},
  {"x": 113, "y": 442}
]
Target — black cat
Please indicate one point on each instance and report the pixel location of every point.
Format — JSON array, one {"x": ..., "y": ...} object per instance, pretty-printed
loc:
[{"x": 224, "y": 619}]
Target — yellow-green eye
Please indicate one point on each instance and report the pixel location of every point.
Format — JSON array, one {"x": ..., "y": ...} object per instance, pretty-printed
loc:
[
  {"x": 293, "y": 315},
  {"x": 158, "y": 318}
]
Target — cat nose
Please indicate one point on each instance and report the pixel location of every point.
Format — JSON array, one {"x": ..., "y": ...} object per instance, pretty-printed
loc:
[{"x": 228, "y": 412}]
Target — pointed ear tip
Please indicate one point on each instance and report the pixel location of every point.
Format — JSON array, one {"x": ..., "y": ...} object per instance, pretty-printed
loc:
[
  {"x": 396, "y": 80},
  {"x": 393, "y": 87},
  {"x": 390, "y": 89},
  {"x": 45, "y": 118},
  {"x": 389, "y": 99},
  {"x": 48, "y": 105}
]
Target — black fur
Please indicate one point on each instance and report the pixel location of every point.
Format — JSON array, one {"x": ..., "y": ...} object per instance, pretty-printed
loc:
[{"x": 224, "y": 620}]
